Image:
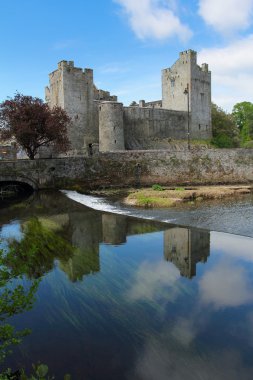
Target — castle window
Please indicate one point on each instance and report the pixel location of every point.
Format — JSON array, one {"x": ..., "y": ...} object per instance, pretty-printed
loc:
[
  {"x": 172, "y": 82},
  {"x": 115, "y": 141},
  {"x": 199, "y": 126}
]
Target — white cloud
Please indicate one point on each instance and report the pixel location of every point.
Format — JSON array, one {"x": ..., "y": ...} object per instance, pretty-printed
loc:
[
  {"x": 226, "y": 285},
  {"x": 232, "y": 71},
  {"x": 233, "y": 246},
  {"x": 184, "y": 331},
  {"x": 154, "y": 19},
  {"x": 226, "y": 16},
  {"x": 164, "y": 360},
  {"x": 150, "y": 277}
]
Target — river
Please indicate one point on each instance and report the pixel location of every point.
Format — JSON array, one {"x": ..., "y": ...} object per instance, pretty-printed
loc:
[{"x": 123, "y": 295}]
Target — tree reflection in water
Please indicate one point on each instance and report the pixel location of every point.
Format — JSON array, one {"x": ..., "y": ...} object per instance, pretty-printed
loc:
[{"x": 22, "y": 264}]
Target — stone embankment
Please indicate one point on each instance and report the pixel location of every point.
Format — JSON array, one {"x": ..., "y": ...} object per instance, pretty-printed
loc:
[{"x": 135, "y": 168}]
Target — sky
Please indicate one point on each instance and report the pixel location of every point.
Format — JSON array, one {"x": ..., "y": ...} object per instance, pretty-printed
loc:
[{"x": 127, "y": 43}]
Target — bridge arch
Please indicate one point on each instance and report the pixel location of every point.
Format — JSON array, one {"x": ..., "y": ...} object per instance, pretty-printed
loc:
[{"x": 19, "y": 179}]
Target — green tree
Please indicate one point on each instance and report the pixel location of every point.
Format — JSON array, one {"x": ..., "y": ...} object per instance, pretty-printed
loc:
[
  {"x": 225, "y": 130},
  {"x": 243, "y": 116},
  {"x": 15, "y": 298},
  {"x": 29, "y": 258},
  {"x": 34, "y": 255}
]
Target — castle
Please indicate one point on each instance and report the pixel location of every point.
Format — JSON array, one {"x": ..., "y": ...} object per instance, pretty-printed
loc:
[{"x": 99, "y": 123}]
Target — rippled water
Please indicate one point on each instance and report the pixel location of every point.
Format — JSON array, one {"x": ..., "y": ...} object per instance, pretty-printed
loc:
[
  {"x": 137, "y": 299},
  {"x": 233, "y": 215}
]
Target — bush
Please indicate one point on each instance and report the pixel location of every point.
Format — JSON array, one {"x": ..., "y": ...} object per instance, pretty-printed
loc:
[
  {"x": 157, "y": 187},
  {"x": 248, "y": 144},
  {"x": 225, "y": 131},
  {"x": 225, "y": 141}
]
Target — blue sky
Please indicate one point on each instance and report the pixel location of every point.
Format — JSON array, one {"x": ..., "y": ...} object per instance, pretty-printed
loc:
[{"x": 127, "y": 43}]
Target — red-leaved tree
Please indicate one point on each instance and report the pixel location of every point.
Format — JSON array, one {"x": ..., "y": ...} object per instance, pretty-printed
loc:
[{"x": 33, "y": 124}]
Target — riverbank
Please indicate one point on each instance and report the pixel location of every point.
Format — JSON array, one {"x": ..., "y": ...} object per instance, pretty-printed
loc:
[{"x": 159, "y": 196}]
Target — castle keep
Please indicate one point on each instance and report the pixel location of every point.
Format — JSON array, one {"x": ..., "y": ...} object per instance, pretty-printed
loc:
[{"x": 100, "y": 123}]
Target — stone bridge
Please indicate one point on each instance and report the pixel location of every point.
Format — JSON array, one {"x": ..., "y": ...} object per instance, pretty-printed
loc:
[{"x": 126, "y": 168}]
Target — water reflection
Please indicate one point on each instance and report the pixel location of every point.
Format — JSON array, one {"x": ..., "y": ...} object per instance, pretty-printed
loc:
[
  {"x": 87, "y": 229},
  {"x": 185, "y": 247},
  {"x": 85, "y": 234},
  {"x": 120, "y": 305}
]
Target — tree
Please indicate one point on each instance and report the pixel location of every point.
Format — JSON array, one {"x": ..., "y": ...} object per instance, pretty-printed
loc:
[
  {"x": 30, "y": 258},
  {"x": 33, "y": 124},
  {"x": 243, "y": 116},
  {"x": 225, "y": 131}
]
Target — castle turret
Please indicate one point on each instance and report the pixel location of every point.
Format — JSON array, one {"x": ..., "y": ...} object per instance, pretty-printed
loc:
[
  {"x": 111, "y": 132},
  {"x": 185, "y": 78},
  {"x": 72, "y": 89},
  {"x": 114, "y": 229},
  {"x": 186, "y": 247}
]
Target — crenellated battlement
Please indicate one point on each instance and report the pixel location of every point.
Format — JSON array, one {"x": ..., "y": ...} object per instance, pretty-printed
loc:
[
  {"x": 98, "y": 119},
  {"x": 188, "y": 55}
]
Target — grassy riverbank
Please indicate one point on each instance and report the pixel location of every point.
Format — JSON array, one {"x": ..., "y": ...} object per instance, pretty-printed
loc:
[{"x": 158, "y": 196}]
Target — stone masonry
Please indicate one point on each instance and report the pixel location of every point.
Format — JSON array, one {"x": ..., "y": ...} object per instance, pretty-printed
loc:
[
  {"x": 100, "y": 123},
  {"x": 129, "y": 168}
]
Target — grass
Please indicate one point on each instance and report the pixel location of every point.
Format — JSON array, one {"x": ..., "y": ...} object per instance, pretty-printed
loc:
[
  {"x": 199, "y": 142},
  {"x": 148, "y": 197},
  {"x": 157, "y": 187},
  {"x": 154, "y": 202}
]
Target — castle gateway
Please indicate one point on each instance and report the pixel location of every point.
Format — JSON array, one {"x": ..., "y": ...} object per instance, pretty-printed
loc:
[{"x": 100, "y": 123}]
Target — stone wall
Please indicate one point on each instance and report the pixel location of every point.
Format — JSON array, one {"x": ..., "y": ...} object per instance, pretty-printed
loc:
[
  {"x": 142, "y": 123},
  {"x": 210, "y": 166}
]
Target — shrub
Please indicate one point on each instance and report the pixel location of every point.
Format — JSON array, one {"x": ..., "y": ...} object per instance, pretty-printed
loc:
[{"x": 157, "y": 187}]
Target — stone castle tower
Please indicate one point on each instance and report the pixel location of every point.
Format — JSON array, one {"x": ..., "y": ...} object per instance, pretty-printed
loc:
[
  {"x": 185, "y": 248},
  {"x": 186, "y": 74},
  {"x": 100, "y": 123},
  {"x": 73, "y": 89}
]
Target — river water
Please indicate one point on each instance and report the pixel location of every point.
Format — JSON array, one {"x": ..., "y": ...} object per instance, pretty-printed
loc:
[{"x": 123, "y": 295}]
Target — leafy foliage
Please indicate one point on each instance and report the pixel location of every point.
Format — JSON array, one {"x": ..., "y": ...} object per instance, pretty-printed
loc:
[
  {"x": 40, "y": 372},
  {"x": 243, "y": 116},
  {"x": 34, "y": 255},
  {"x": 157, "y": 187},
  {"x": 225, "y": 130},
  {"x": 33, "y": 124},
  {"x": 31, "y": 257},
  {"x": 14, "y": 299}
]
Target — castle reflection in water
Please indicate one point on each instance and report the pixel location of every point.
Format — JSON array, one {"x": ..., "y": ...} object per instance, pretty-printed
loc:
[{"x": 183, "y": 247}]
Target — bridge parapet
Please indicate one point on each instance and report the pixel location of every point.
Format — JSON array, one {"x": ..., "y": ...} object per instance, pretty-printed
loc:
[{"x": 128, "y": 168}]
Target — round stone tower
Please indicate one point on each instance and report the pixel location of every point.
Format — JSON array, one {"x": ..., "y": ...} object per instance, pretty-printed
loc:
[
  {"x": 114, "y": 229},
  {"x": 111, "y": 132}
]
